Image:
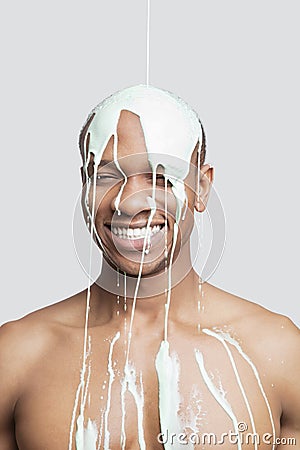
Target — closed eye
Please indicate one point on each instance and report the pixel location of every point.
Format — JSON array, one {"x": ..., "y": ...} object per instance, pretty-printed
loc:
[{"x": 108, "y": 177}]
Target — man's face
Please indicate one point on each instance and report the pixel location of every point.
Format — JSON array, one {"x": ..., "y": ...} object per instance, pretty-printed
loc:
[{"x": 122, "y": 230}]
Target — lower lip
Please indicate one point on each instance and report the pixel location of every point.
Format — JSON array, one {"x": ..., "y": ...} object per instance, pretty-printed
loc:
[{"x": 136, "y": 244}]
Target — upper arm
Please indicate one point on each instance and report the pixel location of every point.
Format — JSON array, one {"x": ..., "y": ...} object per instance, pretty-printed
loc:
[
  {"x": 21, "y": 344},
  {"x": 9, "y": 386},
  {"x": 289, "y": 386}
]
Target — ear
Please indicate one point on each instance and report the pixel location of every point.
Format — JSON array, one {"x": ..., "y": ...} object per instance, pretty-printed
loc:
[{"x": 206, "y": 179}]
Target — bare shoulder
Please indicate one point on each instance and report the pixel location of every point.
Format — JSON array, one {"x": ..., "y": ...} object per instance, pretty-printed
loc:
[
  {"x": 25, "y": 346},
  {"x": 248, "y": 316},
  {"x": 272, "y": 341},
  {"x": 22, "y": 341},
  {"x": 271, "y": 338}
]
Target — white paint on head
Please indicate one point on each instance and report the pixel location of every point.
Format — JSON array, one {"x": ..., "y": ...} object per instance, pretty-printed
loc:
[{"x": 170, "y": 126}]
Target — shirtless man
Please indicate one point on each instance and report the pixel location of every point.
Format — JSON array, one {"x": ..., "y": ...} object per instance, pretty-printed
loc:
[{"x": 209, "y": 370}]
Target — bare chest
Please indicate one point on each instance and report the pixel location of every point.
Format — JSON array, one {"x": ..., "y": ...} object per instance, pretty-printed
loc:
[{"x": 194, "y": 394}]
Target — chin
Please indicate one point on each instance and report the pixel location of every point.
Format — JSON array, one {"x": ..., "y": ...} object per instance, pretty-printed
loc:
[{"x": 132, "y": 268}]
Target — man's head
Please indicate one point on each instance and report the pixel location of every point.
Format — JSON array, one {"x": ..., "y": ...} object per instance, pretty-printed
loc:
[{"x": 142, "y": 149}]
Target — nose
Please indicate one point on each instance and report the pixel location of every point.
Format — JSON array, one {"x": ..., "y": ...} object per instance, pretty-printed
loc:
[{"x": 131, "y": 199}]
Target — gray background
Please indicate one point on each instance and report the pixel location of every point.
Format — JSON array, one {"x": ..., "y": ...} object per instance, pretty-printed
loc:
[{"x": 236, "y": 62}]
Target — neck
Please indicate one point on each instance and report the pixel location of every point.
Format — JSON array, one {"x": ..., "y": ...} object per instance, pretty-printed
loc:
[
  {"x": 115, "y": 281},
  {"x": 151, "y": 292}
]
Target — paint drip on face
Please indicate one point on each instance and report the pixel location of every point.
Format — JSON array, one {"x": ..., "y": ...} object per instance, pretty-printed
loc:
[
  {"x": 171, "y": 130},
  {"x": 170, "y": 126}
]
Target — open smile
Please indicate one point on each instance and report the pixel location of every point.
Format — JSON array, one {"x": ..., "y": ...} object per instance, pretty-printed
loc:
[
  {"x": 133, "y": 238},
  {"x": 135, "y": 233}
]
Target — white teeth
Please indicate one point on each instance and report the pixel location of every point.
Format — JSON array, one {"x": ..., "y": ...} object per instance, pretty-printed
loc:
[{"x": 134, "y": 233}]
